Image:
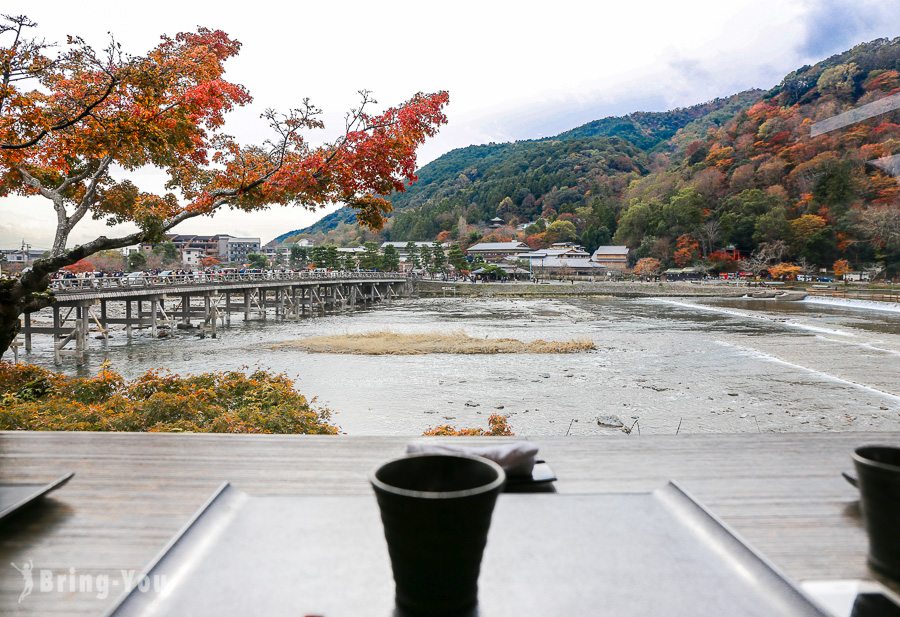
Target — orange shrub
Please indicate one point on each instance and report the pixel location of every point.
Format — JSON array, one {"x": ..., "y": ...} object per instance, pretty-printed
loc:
[
  {"x": 33, "y": 398},
  {"x": 499, "y": 428}
]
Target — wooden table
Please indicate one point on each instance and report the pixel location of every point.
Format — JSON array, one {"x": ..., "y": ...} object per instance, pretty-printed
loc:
[{"x": 783, "y": 493}]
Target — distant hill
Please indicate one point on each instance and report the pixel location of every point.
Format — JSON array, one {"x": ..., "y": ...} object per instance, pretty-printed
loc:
[
  {"x": 743, "y": 171},
  {"x": 646, "y": 130}
]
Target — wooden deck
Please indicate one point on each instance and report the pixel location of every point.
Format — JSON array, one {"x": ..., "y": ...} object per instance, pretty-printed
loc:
[{"x": 783, "y": 493}]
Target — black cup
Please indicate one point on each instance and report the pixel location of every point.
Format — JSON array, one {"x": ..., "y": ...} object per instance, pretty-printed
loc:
[
  {"x": 436, "y": 510},
  {"x": 878, "y": 469}
]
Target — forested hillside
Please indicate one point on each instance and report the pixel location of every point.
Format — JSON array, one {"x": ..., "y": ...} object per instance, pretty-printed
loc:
[
  {"x": 677, "y": 186},
  {"x": 762, "y": 179},
  {"x": 457, "y": 170}
]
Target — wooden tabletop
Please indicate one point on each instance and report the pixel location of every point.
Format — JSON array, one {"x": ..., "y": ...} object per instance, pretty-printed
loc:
[{"x": 783, "y": 493}]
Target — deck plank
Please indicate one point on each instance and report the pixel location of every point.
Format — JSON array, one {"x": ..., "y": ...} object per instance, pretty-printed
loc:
[{"x": 783, "y": 493}]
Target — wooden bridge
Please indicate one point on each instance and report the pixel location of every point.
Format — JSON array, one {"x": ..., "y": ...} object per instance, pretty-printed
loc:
[{"x": 169, "y": 301}]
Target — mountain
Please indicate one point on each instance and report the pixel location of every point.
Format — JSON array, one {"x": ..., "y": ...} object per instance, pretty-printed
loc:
[
  {"x": 646, "y": 130},
  {"x": 745, "y": 171}
]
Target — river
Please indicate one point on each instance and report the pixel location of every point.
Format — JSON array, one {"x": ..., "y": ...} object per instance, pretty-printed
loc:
[{"x": 687, "y": 365}]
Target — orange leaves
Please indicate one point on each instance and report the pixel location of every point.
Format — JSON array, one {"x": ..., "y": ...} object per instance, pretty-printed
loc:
[
  {"x": 885, "y": 187},
  {"x": 721, "y": 157},
  {"x": 886, "y": 81},
  {"x": 88, "y": 114},
  {"x": 648, "y": 266},
  {"x": 807, "y": 225},
  {"x": 262, "y": 402},
  {"x": 81, "y": 266},
  {"x": 688, "y": 250},
  {"x": 497, "y": 423},
  {"x": 841, "y": 267},
  {"x": 784, "y": 270},
  {"x": 159, "y": 110}
]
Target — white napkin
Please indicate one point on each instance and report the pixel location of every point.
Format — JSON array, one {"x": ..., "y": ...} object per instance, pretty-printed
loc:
[{"x": 516, "y": 458}]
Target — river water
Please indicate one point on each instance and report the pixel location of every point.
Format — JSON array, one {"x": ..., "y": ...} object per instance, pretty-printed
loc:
[{"x": 661, "y": 366}]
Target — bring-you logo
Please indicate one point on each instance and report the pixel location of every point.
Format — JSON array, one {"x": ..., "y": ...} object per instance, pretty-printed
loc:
[{"x": 46, "y": 580}]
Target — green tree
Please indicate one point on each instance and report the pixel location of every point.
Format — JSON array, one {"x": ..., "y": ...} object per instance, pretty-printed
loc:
[
  {"x": 560, "y": 231},
  {"x": 603, "y": 215},
  {"x": 349, "y": 262},
  {"x": 640, "y": 219},
  {"x": 137, "y": 261},
  {"x": 317, "y": 256},
  {"x": 390, "y": 260},
  {"x": 299, "y": 257},
  {"x": 839, "y": 80},
  {"x": 370, "y": 259},
  {"x": 493, "y": 271},
  {"x": 771, "y": 226},
  {"x": 684, "y": 212},
  {"x": 457, "y": 259},
  {"x": 412, "y": 255},
  {"x": 167, "y": 252},
  {"x": 438, "y": 258},
  {"x": 426, "y": 257},
  {"x": 739, "y": 215},
  {"x": 332, "y": 259},
  {"x": 257, "y": 261},
  {"x": 592, "y": 238},
  {"x": 645, "y": 249}
]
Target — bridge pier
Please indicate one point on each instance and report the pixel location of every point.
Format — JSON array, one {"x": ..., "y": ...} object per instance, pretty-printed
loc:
[{"x": 206, "y": 297}]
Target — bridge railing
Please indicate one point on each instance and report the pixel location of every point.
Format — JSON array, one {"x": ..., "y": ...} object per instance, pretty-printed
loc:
[{"x": 141, "y": 280}]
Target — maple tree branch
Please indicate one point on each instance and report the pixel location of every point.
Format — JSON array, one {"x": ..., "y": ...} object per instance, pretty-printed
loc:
[
  {"x": 74, "y": 179},
  {"x": 35, "y": 183},
  {"x": 88, "y": 198},
  {"x": 65, "y": 123}
]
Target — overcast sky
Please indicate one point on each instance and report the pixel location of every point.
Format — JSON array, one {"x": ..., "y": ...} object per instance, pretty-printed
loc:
[{"x": 514, "y": 70}]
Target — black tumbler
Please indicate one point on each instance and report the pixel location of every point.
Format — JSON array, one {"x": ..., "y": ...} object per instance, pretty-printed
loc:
[
  {"x": 878, "y": 469},
  {"x": 436, "y": 510}
]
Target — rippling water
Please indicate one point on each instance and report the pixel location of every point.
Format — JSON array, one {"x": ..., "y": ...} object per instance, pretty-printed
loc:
[{"x": 661, "y": 366}]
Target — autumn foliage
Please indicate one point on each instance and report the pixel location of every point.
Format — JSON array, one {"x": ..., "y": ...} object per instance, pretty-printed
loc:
[
  {"x": 82, "y": 266},
  {"x": 497, "y": 423},
  {"x": 166, "y": 109},
  {"x": 784, "y": 271},
  {"x": 72, "y": 124},
  {"x": 648, "y": 266},
  {"x": 687, "y": 250},
  {"x": 841, "y": 267},
  {"x": 33, "y": 398}
]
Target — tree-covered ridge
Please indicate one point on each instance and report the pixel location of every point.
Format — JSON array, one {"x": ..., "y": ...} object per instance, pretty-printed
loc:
[
  {"x": 534, "y": 177},
  {"x": 743, "y": 172},
  {"x": 762, "y": 179},
  {"x": 431, "y": 178},
  {"x": 651, "y": 130},
  {"x": 440, "y": 178}
]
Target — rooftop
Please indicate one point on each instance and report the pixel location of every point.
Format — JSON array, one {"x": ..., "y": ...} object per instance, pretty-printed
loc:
[
  {"x": 499, "y": 246},
  {"x": 611, "y": 250}
]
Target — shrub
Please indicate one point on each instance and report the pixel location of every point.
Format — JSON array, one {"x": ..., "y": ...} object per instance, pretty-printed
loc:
[
  {"x": 33, "y": 398},
  {"x": 499, "y": 428}
]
